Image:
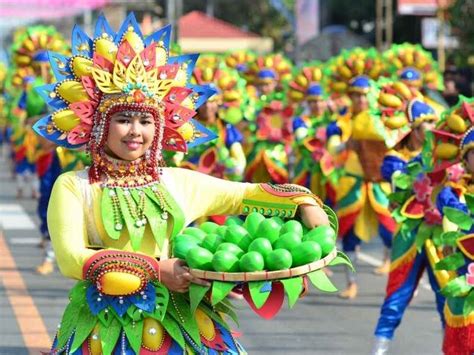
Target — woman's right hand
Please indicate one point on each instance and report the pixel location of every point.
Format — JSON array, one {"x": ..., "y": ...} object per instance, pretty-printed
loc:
[{"x": 176, "y": 277}]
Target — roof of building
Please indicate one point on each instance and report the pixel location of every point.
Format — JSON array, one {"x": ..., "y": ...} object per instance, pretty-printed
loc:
[{"x": 199, "y": 25}]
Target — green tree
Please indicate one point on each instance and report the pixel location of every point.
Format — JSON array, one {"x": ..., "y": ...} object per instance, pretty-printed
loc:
[{"x": 461, "y": 14}]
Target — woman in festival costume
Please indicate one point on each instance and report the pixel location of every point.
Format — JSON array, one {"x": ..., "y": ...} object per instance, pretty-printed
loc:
[
  {"x": 29, "y": 55},
  {"x": 415, "y": 67},
  {"x": 223, "y": 157},
  {"x": 413, "y": 251},
  {"x": 309, "y": 128},
  {"x": 111, "y": 225},
  {"x": 361, "y": 197},
  {"x": 267, "y": 159}
]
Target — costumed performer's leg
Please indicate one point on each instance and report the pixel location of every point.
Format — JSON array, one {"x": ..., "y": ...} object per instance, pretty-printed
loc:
[
  {"x": 350, "y": 244},
  {"x": 386, "y": 237},
  {"x": 459, "y": 329}
]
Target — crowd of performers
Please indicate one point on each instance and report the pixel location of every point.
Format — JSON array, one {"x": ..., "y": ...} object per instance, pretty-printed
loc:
[{"x": 366, "y": 131}]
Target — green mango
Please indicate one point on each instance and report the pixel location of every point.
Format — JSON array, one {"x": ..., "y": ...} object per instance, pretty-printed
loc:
[
  {"x": 268, "y": 229},
  {"x": 252, "y": 222},
  {"x": 211, "y": 242},
  {"x": 181, "y": 248},
  {"x": 287, "y": 241},
  {"x": 252, "y": 261},
  {"x": 196, "y": 232},
  {"x": 188, "y": 238},
  {"x": 278, "y": 259},
  {"x": 261, "y": 245},
  {"x": 235, "y": 234},
  {"x": 305, "y": 253},
  {"x": 225, "y": 261},
  {"x": 292, "y": 226},
  {"x": 233, "y": 220},
  {"x": 279, "y": 220},
  {"x": 325, "y": 236},
  {"x": 221, "y": 230},
  {"x": 199, "y": 258},
  {"x": 232, "y": 248},
  {"x": 209, "y": 227}
]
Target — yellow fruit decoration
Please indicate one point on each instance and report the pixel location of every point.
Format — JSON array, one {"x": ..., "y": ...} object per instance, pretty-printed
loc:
[
  {"x": 119, "y": 283},
  {"x": 390, "y": 100},
  {"x": 301, "y": 80},
  {"x": 402, "y": 89},
  {"x": 186, "y": 131},
  {"x": 396, "y": 122},
  {"x": 153, "y": 334},
  {"x": 72, "y": 91},
  {"x": 82, "y": 66},
  {"x": 446, "y": 151},
  {"x": 345, "y": 72},
  {"x": 456, "y": 123},
  {"x": 106, "y": 49},
  {"x": 65, "y": 120},
  {"x": 95, "y": 344},
  {"x": 205, "y": 325}
]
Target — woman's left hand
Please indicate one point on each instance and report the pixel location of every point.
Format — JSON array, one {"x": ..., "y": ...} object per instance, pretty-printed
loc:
[{"x": 313, "y": 216}]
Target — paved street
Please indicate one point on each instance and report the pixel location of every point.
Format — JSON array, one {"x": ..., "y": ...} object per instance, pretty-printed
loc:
[{"x": 31, "y": 305}]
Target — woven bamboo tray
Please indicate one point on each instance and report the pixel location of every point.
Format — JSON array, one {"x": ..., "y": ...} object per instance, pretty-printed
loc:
[{"x": 265, "y": 275}]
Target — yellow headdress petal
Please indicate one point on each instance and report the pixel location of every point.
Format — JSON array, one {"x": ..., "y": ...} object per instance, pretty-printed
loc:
[
  {"x": 65, "y": 120},
  {"x": 72, "y": 91}
]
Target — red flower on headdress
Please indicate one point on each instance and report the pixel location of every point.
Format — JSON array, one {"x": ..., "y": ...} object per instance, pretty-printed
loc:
[{"x": 422, "y": 188}]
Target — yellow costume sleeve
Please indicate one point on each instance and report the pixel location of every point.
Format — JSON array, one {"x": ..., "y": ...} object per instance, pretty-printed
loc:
[
  {"x": 67, "y": 227},
  {"x": 202, "y": 195}
]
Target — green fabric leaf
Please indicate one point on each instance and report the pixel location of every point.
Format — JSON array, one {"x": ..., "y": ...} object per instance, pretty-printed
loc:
[
  {"x": 220, "y": 290},
  {"x": 451, "y": 262},
  {"x": 134, "y": 333},
  {"x": 78, "y": 292},
  {"x": 397, "y": 216},
  {"x": 469, "y": 202},
  {"x": 462, "y": 219},
  {"x": 84, "y": 326},
  {"x": 456, "y": 287},
  {"x": 403, "y": 181},
  {"x": 258, "y": 297},
  {"x": 68, "y": 323},
  {"x": 333, "y": 220},
  {"x": 172, "y": 328},
  {"x": 468, "y": 307},
  {"x": 293, "y": 288},
  {"x": 450, "y": 238},
  {"x": 399, "y": 197},
  {"x": 105, "y": 318},
  {"x": 109, "y": 336},
  {"x": 436, "y": 235},
  {"x": 424, "y": 233},
  {"x": 181, "y": 312},
  {"x": 157, "y": 224},
  {"x": 135, "y": 313},
  {"x": 196, "y": 294},
  {"x": 135, "y": 233},
  {"x": 107, "y": 212},
  {"x": 161, "y": 302},
  {"x": 415, "y": 168},
  {"x": 320, "y": 280},
  {"x": 342, "y": 258},
  {"x": 222, "y": 307}
]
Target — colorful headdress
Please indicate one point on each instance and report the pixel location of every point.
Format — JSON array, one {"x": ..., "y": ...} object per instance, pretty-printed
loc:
[
  {"x": 121, "y": 71},
  {"x": 307, "y": 84},
  {"x": 352, "y": 70},
  {"x": 414, "y": 66},
  {"x": 240, "y": 60},
  {"x": 229, "y": 87},
  {"x": 270, "y": 68},
  {"x": 419, "y": 112},
  {"x": 31, "y": 45},
  {"x": 452, "y": 137}
]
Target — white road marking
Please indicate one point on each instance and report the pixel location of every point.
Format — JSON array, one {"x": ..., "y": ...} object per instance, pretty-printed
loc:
[
  {"x": 376, "y": 263},
  {"x": 24, "y": 241},
  {"x": 14, "y": 217}
]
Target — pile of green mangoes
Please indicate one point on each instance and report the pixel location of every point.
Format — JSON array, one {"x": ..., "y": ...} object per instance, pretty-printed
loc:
[{"x": 257, "y": 244}]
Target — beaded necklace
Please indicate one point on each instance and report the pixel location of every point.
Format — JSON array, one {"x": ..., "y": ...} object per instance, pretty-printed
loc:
[{"x": 132, "y": 199}]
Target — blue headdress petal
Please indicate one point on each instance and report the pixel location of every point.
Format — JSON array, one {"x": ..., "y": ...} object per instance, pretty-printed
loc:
[
  {"x": 60, "y": 65},
  {"x": 102, "y": 26},
  {"x": 206, "y": 135},
  {"x": 54, "y": 102},
  {"x": 55, "y": 136},
  {"x": 129, "y": 21},
  {"x": 204, "y": 93},
  {"x": 189, "y": 59},
  {"x": 81, "y": 44},
  {"x": 163, "y": 34},
  {"x": 360, "y": 82},
  {"x": 468, "y": 139}
]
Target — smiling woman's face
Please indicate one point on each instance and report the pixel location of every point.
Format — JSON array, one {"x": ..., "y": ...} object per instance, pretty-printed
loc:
[{"x": 130, "y": 135}]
